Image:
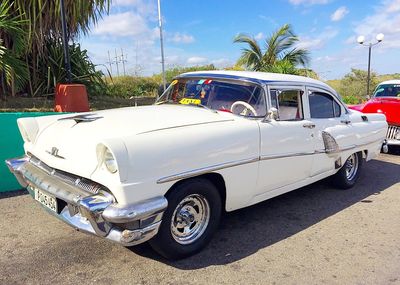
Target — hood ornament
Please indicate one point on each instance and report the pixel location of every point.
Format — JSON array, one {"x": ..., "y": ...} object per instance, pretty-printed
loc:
[
  {"x": 54, "y": 152},
  {"x": 83, "y": 118}
]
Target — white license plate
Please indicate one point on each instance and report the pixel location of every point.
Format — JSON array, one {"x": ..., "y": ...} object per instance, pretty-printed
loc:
[{"x": 47, "y": 200}]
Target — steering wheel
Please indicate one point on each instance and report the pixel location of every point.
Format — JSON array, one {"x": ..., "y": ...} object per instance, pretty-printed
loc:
[{"x": 247, "y": 108}]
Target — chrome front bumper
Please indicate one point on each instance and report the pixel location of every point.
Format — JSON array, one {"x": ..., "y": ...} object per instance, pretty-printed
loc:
[{"x": 98, "y": 213}]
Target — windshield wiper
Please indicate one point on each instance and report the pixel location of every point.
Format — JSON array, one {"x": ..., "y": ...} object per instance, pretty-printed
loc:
[
  {"x": 202, "y": 106},
  {"x": 166, "y": 102}
]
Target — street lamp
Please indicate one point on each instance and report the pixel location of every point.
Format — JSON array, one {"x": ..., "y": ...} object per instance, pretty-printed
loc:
[{"x": 361, "y": 40}]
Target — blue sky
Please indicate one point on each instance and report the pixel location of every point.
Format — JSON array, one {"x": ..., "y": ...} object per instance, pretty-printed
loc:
[{"x": 201, "y": 32}]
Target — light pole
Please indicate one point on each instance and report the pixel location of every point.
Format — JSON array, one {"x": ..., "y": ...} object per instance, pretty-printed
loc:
[
  {"x": 162, "y": 45},
  {"x": 67, "y": 61},
  {"x": 361, "y": 40}
]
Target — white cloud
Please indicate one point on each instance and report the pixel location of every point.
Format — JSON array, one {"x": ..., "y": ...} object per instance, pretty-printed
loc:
[
  {"x": 309, "y": 2},
  {"x": 222, "y": 62},
  {"x": 182, "y": 38},
  {"x": 194, "y": 60},
  {"x": 339, "y": 14},
  {"x": 318, "y": 42},
  {"x": 393, "y": 6},
  {"x": 386, "y": 20},
  {"x": 259, "y": 36},
  {"x": 121, "y": 24}
]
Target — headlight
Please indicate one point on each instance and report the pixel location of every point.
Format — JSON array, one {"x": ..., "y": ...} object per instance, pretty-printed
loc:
[{"x": 109, "y": 161}]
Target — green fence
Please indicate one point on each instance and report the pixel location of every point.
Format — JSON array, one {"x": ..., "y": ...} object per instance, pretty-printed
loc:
[{"x": 11, "y": 145}]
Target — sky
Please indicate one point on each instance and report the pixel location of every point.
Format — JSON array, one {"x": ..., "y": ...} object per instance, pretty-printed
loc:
[{"x": 201, "y": 32}]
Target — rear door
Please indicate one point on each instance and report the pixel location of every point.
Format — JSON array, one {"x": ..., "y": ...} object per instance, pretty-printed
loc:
[{"x": 331, "y": 119}]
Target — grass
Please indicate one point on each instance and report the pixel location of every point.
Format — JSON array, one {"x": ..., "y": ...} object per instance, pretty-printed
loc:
[{"x": 42, "y": 104}]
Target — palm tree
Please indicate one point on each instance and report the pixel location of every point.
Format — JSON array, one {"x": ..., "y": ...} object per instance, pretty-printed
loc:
[
  {"x": 12, "y": 45},
  {"x": 280, "y": 53},
  {"x": 42, "y": 21}
]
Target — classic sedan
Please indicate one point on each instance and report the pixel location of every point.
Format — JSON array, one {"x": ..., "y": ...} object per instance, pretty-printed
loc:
[
  {"x": 213, "y": 142},
  {"x": 386, "y": 100}
]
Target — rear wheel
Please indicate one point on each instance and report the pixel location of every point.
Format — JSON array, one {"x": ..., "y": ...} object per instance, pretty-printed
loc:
[
  {"x": 192, "y": 217},
  {"x": 347, "y": 176}
]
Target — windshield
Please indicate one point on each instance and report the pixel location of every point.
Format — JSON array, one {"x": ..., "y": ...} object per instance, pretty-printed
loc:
[
  {"x": 237, "y": 97},
  {"x": 387, "y": 90}
]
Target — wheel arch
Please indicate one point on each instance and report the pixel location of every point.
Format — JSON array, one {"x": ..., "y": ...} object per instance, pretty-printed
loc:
[{"x": 215, "y": 178}]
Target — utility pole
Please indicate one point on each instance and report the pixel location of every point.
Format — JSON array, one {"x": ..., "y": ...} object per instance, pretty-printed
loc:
[
  {"x": 116, "y": 61},
  {"x": 123, "y": 60},
  {"x": 109, "y": 61},
  {"x": 162, "y": 45}
]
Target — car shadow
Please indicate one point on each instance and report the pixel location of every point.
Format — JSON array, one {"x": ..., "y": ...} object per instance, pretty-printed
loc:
[
  {"x": 4, "y": 195},
  {"x": 244, "y": 232}
]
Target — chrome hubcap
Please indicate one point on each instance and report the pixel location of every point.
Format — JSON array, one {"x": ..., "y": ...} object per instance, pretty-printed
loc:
[
  {"x": 351, "y": 166},
  {"x": 190, "y": 219}
]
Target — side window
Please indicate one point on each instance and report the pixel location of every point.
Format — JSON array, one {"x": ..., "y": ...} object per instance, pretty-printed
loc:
[
  {"x": 289, "y": 104},
  {"x": 323, "y": 105}
]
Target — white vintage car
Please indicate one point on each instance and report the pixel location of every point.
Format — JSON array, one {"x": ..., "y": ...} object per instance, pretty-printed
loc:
[{"x": 214, "y": 141}]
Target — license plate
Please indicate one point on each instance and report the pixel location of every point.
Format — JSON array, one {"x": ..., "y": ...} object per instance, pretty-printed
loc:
[{"x": 47, "y": 200}]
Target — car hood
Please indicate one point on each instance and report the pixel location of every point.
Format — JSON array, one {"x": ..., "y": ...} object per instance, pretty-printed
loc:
[{"x": 69, "y": 142}]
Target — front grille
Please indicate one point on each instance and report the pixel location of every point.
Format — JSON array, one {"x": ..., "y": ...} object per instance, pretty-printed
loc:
[
  {"x": 391, "y": 132},
  {"x": 71, "y": 179}
]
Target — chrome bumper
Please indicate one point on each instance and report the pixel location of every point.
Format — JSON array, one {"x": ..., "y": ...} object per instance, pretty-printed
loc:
[{"x": 97, "y": 214}]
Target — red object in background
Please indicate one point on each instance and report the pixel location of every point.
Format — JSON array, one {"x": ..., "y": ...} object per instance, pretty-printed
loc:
[
  {"x": 390, "y": 106},
  {"x": 71, "y": 98}
]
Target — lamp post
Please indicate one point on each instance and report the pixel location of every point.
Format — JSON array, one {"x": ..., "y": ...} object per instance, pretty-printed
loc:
[
  {"x": 67, "y": 61},
  {"x": 162, "y": 45},
  {"x": 361, "y": 40}
]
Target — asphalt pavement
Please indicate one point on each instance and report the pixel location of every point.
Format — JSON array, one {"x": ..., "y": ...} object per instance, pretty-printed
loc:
[{"x": 314, "y": 235}]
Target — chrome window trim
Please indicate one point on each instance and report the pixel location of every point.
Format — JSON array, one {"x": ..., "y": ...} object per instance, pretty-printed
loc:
[{"x": 336, "y": 98}]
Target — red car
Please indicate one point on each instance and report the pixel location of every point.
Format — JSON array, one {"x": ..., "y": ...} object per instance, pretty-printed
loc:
[{"x": 386, "y": 100}]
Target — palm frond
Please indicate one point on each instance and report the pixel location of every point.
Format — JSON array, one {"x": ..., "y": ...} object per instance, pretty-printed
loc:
[{"x": 251, "y": 57}]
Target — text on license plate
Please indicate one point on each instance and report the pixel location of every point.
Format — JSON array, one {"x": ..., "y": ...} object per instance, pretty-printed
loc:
[{"x": 46, "y": 200}]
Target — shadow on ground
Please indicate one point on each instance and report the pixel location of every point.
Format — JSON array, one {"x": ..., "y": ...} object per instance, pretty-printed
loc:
[{"x": 248, "y": 230}]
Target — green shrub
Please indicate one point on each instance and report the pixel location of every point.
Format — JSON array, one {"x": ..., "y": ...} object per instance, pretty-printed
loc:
[{"x": 129, "y": 86}]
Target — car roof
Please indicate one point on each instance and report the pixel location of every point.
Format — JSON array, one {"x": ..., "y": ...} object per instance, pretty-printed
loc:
[
  {"x": 263, "y": 77},
  {"x": 394, "y": 81}
]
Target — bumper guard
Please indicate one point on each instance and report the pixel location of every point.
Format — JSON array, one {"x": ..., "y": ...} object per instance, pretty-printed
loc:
[{"x": 97, "y": 214}]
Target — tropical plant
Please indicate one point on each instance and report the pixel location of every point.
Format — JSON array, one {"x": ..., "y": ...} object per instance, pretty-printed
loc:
[
  {"x": 172, "y": 72},
  {"x": 279, "y": 53},
  {"x": 12, "y": 70},
  {"x": 42, "y": 21},
  {"x": 83, "y": 70},
  {"x": 353, "y": 86}
]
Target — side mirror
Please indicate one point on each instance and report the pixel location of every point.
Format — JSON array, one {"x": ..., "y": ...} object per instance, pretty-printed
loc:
[{"x": 272, "y": 114}]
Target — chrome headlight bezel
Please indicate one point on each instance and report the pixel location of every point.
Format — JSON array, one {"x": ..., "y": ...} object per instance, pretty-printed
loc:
[{"x": 110, "y": 161}]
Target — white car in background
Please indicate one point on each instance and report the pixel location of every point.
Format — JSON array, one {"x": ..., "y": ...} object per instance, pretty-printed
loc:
[{"x": 214, "y": 141}]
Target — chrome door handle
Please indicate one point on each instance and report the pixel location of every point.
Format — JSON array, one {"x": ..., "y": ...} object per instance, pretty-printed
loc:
[
  {"x": 345, "y": 122},
  {"x": 309, "y": 125}
]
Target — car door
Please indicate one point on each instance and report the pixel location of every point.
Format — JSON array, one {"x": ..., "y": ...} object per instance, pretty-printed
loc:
[
  {"x": 286, "y": 145},
  {"x": 333, "y": 124}
]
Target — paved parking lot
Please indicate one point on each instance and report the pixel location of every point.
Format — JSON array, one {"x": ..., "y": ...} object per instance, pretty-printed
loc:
[{"x": 315, "y": 235}]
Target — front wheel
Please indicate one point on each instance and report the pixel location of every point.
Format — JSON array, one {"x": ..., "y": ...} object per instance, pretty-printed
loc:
[
  {"x": 192, "y": 217},
  {"x": 347, "y": 176}
]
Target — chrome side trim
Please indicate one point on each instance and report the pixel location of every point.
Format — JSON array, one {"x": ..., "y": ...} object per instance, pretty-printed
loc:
[
  {"x": 204, "y": 170},
  {"x": 208, "y": 169},
  {"x": 286, "y": 155}
]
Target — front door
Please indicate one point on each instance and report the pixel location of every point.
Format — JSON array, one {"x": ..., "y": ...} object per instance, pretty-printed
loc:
[{"x": 287, "y": 143}]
